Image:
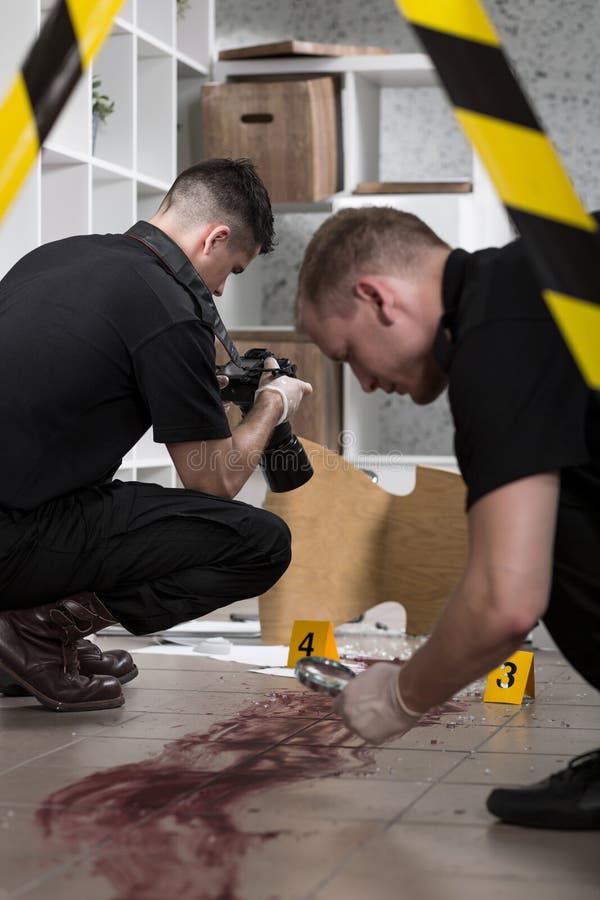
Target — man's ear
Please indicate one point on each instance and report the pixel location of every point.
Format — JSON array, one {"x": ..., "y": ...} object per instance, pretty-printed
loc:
[
  {"x": 214, "y": 237},
  {"x": 376, "y": 291}
]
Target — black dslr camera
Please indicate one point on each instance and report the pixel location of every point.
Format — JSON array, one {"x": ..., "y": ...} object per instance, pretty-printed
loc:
[{"x": 284, "y": 462}]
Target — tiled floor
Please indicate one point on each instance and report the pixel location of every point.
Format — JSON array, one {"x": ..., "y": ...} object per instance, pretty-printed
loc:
[{"x": 214, "y": 782}]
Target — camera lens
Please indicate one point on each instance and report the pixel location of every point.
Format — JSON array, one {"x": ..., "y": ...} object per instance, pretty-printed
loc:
[{"x": 284, "y": 463}]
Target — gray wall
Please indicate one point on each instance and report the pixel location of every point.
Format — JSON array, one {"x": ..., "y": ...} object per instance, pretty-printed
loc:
[{"x": 553, "y": 46}]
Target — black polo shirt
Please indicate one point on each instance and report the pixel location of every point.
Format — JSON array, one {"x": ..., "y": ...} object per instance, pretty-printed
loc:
[
  {"x": 98, "y": 341},
  {"x": 519, "y": 404}
]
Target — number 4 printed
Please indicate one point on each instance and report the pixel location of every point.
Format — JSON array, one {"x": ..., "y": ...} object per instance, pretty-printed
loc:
[
  {"x": 306, "y": 646},
  {"x": 311, "y": 638}
]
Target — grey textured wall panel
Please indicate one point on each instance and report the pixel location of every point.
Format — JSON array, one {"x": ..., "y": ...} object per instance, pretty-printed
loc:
[{"x": 552, "y": 44}]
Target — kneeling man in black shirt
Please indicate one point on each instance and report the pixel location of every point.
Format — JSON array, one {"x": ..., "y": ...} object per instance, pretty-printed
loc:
[
  {"x": 379, "y": 290},
  {"x": 102, "y": 337}
]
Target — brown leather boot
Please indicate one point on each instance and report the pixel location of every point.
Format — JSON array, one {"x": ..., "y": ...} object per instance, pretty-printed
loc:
[
  {"x": 92, "y": 661},
  {"x": 37, "y": 650}
]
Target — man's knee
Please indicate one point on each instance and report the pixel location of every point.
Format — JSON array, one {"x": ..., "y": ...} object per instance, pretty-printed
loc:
[{"x": 272, "y": 537}]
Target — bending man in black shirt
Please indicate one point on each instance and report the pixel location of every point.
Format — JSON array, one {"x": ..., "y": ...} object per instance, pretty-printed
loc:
[
  {"x": 102, "y": 337},
  {"x": 379, "y": 290}
]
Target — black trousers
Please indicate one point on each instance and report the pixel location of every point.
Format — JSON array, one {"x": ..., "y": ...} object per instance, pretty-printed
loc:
[{"x": 155, "y": 556}]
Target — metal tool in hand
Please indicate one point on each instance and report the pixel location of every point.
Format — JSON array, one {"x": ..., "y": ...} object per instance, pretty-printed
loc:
[{"x": 323, "y": 675}]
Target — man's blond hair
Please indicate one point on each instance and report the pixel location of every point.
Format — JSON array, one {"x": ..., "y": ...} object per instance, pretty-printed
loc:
[{"x": 368, "y": 240}]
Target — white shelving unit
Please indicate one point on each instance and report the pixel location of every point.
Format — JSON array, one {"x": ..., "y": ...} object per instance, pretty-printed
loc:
[
  {"x": 470, "y": 220},
  {"x": 152, "y": 65}
]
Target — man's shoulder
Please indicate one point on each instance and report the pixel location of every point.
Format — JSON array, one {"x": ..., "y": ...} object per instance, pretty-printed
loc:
[
  {"x": 131, "y": 278},
  {"x": 500, "y": 287},
  {"x": 73, "y": 257},
  {"x": 503, "y": 282},
  {"x": 110, "y": 276}
]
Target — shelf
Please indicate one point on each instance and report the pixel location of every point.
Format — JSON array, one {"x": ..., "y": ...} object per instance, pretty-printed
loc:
[
  {"x": 150, "y": 46},
  {"x": 153, "y": 65},
  {"x": 17, "y": 35},
  {"x": 446, "y": 214},
  {"x": 58, "y": 155},
  {"x": 150, "y": 454},
  {"x": 195, "y": 32},
  {"x": 148, "y": 200},
  {"x": 65, "y": 200},
  {"x": 393, "y": 70},
  {"x": 346, "y": 198},
  {"x": 190, "y": 68},
  {"x": 189, "y": 119},
  {"x": 113, "y": 202},
  {"x": 325, "y": 205},
  {"x": 111, "y": 168},
  {"x": 20, "y": 230},
  {"x": 114, "y": 65},
  {"x": 157, "y": 17},
  {"x": 126, "y": 15},
  {"x": 73, "y": 128},
  {"x": 362, "y": 80},
  {"x": 156, "y": 121}
]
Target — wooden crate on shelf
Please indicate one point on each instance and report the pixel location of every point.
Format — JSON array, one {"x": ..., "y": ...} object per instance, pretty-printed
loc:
[
  {"x": 320, "y": 416},
  {"x": 287, "y": 128}
]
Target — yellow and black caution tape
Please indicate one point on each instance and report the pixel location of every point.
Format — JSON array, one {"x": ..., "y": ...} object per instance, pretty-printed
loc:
[
  {"x": 72, "y": 33},
  {"x": 560, "y": 237}
]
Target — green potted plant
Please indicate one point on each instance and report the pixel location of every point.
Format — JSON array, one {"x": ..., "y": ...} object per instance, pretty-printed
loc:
[
  {"x": 102, "y": 107},
  {"x": 182, "y": 8}
]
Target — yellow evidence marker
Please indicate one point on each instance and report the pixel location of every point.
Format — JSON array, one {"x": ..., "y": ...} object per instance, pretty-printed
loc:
[
  {"x": 311, "y": 638},
  {"x": 510, "y": 681}
]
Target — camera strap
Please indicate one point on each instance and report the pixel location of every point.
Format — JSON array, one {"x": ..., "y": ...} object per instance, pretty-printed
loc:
[{"x": 174, "y": 259}]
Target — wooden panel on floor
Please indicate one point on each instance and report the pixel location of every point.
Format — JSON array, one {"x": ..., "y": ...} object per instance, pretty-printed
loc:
[{"x": 356, "y": 545}]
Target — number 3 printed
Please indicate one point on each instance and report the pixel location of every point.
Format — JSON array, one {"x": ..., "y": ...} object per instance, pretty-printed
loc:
[{"x": 510, "y": 674}]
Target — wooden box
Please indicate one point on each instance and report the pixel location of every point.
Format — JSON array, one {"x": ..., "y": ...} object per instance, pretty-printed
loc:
[
  {"x": 320, "y": 415},
  {"x": 287, "y": 128}
]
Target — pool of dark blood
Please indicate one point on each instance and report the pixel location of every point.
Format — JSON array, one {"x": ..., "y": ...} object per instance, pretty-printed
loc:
[{"x": 166, "y": 826}]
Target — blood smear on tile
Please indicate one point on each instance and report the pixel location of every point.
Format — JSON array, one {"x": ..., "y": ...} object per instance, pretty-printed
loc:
[{"x": 166, "y": 826}]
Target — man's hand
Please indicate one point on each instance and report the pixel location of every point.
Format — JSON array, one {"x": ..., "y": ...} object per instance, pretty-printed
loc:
[
  {"x": 223, "y": 382},
  {"x": 371, "y": 705},
  {"x": 292, "y": 390}
]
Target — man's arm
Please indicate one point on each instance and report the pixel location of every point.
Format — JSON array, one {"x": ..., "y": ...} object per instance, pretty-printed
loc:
[
  {"x": 222, "y": 467},
  {"x": 502, "y": 594}
]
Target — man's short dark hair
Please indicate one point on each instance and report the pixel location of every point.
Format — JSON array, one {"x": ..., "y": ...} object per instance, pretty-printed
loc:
[
  {"x": 379, "y": 239},
  {"x": 225, "y": 190}
]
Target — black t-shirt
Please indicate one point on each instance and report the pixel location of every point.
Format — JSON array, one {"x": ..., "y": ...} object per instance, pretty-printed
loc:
[
  {"x": 98, "y": 341},
  {"x": 519, "y": 404}
]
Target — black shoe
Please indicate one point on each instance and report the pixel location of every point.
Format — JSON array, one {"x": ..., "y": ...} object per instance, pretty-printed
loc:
[{"x": 569, "y": 799}]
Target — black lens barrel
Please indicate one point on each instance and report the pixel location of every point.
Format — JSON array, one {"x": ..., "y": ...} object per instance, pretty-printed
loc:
[{"x": 284, "y": 463}]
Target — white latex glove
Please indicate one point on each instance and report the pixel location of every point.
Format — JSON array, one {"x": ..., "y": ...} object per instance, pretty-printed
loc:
[
  {"x": 291, "y": 390},
  {"x": 371, "y": 705},
  {"x": 223, "y": 382}
]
